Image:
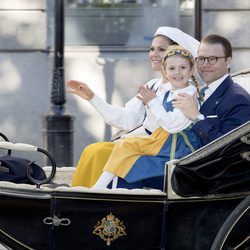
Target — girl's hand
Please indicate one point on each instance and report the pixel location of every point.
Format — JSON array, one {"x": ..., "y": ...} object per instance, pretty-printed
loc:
[
  {"x": 187, "y": 104},
  {"x": 81, "y": 89},
  {"x": 145, "y": 94}
]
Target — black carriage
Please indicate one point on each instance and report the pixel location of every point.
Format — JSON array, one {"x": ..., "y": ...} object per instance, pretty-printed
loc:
[{"x": 194, "y": 212}]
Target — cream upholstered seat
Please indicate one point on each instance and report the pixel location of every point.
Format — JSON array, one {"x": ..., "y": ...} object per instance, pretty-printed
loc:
[{"x": 242, "y": 77}]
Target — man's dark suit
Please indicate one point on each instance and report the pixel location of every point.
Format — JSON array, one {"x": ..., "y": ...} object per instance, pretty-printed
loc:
[{"x": 227, "y": 108}]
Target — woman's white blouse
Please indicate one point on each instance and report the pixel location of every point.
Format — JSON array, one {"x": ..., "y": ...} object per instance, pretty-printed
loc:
[{"x": 150, "y": 116}]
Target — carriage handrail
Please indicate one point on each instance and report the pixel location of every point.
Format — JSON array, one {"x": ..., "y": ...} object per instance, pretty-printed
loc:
[{"x": 31, "y": 148}]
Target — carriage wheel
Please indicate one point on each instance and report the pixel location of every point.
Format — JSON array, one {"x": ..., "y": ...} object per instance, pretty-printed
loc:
[{"x": 235, "y": 231}]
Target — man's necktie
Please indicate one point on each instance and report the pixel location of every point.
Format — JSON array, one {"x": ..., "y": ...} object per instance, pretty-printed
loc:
[{"x": 202, "y": 93}]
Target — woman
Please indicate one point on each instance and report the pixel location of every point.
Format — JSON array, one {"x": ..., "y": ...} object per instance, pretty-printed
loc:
[{"x": 95, "y": 156}]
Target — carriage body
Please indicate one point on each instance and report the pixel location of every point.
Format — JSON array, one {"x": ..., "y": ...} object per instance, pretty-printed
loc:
[
  {"x": 81, "y": 218},
  {"x": 67, "y": 219}
]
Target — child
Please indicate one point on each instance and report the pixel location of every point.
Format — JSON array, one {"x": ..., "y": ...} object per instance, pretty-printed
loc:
[{"x": 144, "y": 157}]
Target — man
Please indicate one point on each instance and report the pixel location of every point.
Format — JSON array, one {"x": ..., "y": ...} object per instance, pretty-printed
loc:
[{"x": 226, "y": 104}]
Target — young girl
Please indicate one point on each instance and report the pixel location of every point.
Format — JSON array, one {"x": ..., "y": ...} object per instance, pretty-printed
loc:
[{"x": 144, "y": 157}]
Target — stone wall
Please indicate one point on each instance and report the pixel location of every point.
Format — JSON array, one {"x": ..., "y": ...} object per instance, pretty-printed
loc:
[
  {"x": 25, "y": 70},
  {"x": 231, "y": 19}
]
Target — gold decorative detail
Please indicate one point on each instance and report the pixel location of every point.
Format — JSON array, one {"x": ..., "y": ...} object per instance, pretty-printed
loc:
[{"x": 109, "y": 229}]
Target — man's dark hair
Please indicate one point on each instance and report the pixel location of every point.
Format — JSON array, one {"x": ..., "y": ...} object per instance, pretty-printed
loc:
[{"x": 217, "y": 39}]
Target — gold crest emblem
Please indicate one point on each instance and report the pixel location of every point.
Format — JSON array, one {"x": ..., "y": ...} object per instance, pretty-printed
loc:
[{"x": 109, "y": 229}]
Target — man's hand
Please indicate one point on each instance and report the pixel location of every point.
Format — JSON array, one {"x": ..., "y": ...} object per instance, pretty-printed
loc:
[
  {"x": 81, "y": 89},
  {"x": 145, "y": 94},
  {"x": 187, "y": 104}
]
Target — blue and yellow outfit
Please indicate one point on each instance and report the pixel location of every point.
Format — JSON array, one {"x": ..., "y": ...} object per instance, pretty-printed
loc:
[{"x": 140, "y": 158}]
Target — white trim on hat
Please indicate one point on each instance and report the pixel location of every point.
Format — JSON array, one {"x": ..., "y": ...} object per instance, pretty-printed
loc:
[{"x": 180, "y": 37}]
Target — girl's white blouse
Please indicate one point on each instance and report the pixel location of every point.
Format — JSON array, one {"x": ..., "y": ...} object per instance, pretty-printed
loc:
[{"x": 151, "y": 116}]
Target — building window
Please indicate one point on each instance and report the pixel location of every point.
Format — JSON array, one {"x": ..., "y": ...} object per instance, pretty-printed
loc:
[{"x": 123, "y": 23}]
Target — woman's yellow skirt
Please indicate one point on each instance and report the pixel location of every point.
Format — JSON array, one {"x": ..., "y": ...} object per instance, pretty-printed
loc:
[{"x": 91, "y": 163}]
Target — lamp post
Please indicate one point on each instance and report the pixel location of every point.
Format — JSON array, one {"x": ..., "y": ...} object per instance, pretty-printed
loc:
[
  {"x": 198, "y": 19},
  {"x": 58, "y": 126}
]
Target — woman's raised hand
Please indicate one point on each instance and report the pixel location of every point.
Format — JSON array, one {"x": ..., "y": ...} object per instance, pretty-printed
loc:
[{"x": 81, "y": 89}]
